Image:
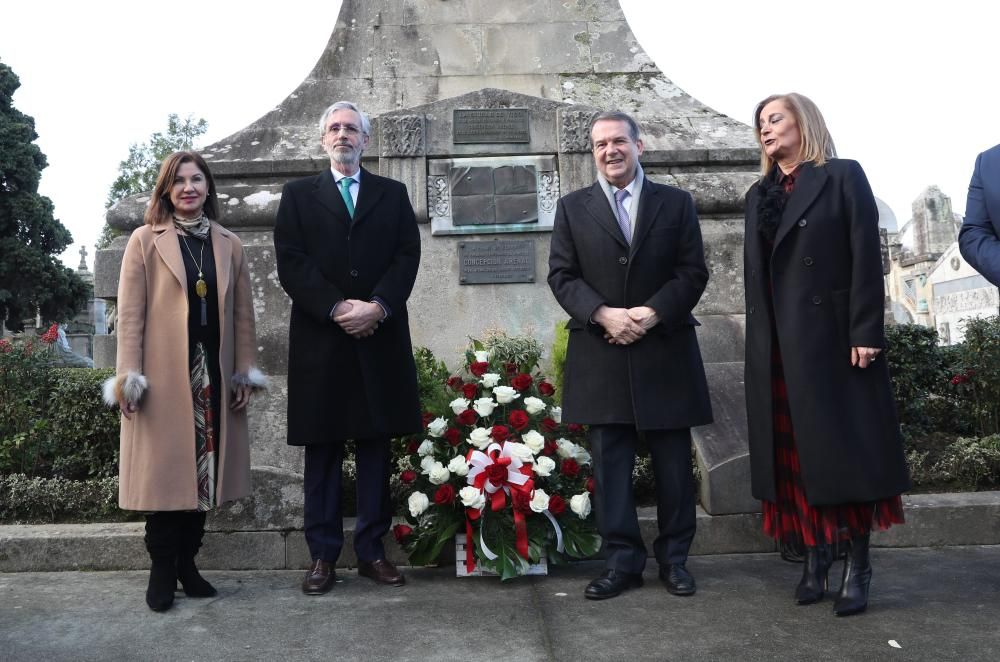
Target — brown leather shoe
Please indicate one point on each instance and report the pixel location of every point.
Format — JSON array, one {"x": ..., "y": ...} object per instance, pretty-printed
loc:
[
  {"x": 382, "y": 572},
  {"x": 320, "y": 578}
]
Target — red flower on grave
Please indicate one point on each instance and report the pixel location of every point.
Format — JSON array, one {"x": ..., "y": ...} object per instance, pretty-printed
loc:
[
  {"x": 519, "y": 419},
  {"x": 445, "y": 495},
  {"x": 408, "y": 476},
  {"x": 479, "y": 368},
  {"x": 467, "y": 417},
  {"x": 402, "y": 532},
  {"x": 556, "y": 505},
  {"x": 470, "y": 391},
  {"x": 500, "y": 433},
  {"x": 453, "y": 436},
  {"x": 521, "y": 382},
  {"x": 549, "y": 425},
  {"x": 546, "y": 388},
  {"x": 454, "y": 382},
  {"x": 570, "y": 468}
]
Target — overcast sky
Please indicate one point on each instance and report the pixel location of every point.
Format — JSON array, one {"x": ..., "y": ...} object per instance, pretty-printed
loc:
[{"x": 908, "y": 88}]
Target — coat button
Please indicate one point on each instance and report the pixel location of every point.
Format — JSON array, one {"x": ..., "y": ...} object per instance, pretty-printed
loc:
[
  {"x": 803, "y": 222},
  {"x": 808, "y": 261},
  {"x": 817, "y": 300},
  {"x": 354, "y": 273},
  {"x": 623, "y": 260},
  {"x": 752, "y": 309}
]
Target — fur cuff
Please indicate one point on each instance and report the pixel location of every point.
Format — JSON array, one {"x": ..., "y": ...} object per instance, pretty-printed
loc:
[
  {"x": 254, "y": 378},
  {"x": 129, "y": 387}
]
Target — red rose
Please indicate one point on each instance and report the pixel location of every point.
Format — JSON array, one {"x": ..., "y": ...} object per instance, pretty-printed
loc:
[
  {"x": 496, "y": 474},
  {"x": 412, "y": 447},
  {"x": 408, "y": 476},
  {"x": 454, "y": 382},
  {"x": 479, "y": 368},
  {"x": 522, "y": 382},
  {"x": 453, "y": 436},
  {"x": 573, "y": 428},
  {"x": 590, "y": 484},
  {"x": 500, "y": 433},
  {"x": 427, "y": 418},
  {"x": 546, "y": 388},
  {"x": 467, "y": 417},
  {"x": 518, "y": 419},
  {"x": 470, "y": 391},
  {"x": 549, "y": 425},
  {"x": 510, "y": 368},
  {"x": 521, "y": 501},
  {"x": 402, "y": 532},
  {"x": 556, "y": 504},
  {"x": 551, "y": 447},
  {"x": 959, "y": 379},
  {"x": 570, "y": 468},
  {"x": 445, "y": 495}
]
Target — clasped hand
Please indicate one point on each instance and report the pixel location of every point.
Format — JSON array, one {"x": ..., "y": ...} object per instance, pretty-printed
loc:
[
  {"x": 624, "y": 326},
  {"x": 357, "y": 318}
]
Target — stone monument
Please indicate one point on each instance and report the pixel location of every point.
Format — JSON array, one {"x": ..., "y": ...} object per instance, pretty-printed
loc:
[{"x": 482, "y": 109}]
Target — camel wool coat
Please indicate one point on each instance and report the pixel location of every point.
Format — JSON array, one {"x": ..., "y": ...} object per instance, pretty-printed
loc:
[{"x": 157, "y": 465}]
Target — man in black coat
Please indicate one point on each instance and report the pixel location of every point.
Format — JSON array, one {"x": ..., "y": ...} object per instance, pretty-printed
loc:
[
  {"x": 348, "y": 249},
  {"x": 627, "y": 264}
]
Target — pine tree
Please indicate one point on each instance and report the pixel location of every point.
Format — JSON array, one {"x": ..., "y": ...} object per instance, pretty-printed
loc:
[{"x": 32, "y": 278}]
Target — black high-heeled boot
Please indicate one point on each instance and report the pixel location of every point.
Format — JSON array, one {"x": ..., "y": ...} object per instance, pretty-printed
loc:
[
  {"x": 192, "y": 527},
  {"x": 814, "y": 575},
  {"x": 161, "y": 543},
  {"x": 853, "y": 596}
]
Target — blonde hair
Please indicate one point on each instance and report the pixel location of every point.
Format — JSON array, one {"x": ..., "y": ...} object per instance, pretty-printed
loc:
[{"x": 817, "y": 144}]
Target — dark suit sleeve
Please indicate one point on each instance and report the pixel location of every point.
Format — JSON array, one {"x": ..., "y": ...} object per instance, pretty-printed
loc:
[
  {"x": 396, "y": 283},
  {"x": 978, "y": 239},
  {"x": 573, "y": 293},
  {"x": 297, "y": 271},
  {"x": 675, "y": 300},
  {"x": 867, "y": 294}
]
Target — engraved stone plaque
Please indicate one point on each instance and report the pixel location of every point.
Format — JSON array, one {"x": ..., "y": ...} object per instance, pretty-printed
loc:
[
  {"x": 496, "y": 261},
  {"x": 490, "y": 125}
]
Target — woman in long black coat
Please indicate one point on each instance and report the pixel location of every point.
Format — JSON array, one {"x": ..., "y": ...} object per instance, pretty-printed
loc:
[{"x": 825, "y": 447}]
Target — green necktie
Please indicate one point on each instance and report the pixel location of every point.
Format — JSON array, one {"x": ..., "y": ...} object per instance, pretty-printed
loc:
[{"x": 345, "y": 192}]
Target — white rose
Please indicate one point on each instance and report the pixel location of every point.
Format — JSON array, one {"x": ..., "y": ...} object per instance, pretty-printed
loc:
[
  {"x": 418, "y": 503},
  {"x": 480, "y": 438},
  {"x": 438, "y": 474},
  {"x": 582, "y": 456},
  {"x": 437, "y": 427},
  {"x": 427, "y": 462},
  {"x": 459, "y": 405},
  {"x": 534, "y": 405},
  {"x": 425, "y": 448},
  {"x": 482, "y": 356},
  {"x": 539, "y": 501},
  {"x": 534, "y": 441},
  {"x": 490, "y": 379},
  {"x": 580, "y": 504},
  {"x": 505, "y": 394},
  {"x": 520, "y": 451},
  {"x": 566, "y": 448},
  {"x": 458, "y": 466},
  {"x": 544, "y": 465},
  {"x": 472, "y": 497},
  {"x": 484, "y": 406},
  {"x": 555, "y": 413}
]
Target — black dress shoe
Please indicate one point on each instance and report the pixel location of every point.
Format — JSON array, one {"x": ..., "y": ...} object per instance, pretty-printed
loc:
[
  {"x": 320, "y": 578},
  {"x": 611, "y": 583},
  {"x": 677, "y": 579},
  {"x": 382, "y": 572}
]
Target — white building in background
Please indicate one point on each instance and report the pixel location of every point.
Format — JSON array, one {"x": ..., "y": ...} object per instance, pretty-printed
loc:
[{"x": 959, "y": 292}]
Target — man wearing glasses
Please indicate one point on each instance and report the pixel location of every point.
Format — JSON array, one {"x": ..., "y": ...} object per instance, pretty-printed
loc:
[{"x": 348, "y": 249}]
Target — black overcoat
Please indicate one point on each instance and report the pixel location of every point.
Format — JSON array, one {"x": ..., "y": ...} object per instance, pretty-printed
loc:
[
  {"x": 340, "y": 387},
  {"x": 827, "y": 284},
  {"x": 659, "y": 381}
]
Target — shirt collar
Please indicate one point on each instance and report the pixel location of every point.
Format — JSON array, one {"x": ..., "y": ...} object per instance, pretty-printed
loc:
[
  {"x": 337, "y": 175},
  {"x": 631, "y": 187}
]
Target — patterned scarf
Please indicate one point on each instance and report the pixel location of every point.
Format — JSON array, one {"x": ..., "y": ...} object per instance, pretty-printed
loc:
[{"x": 196, "y": 227}]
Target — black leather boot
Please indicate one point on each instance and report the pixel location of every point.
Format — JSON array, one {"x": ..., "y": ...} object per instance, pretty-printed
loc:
[
  {"x": 815, "y": 569},
  {"x": 161, "y": 543},
  {"x": 853, "y": 596},
  {"x": 192, "y": 527}
]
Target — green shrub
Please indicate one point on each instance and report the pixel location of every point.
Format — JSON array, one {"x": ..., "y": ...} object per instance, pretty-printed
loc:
[
  {"x": 977, "y": 375},
  {"x": 32, "y": 500},
  {"x": 920, "y": 374},
  {"x": 25, "y": 386},
  {"x": 559, "y": 345},
  {"x": 83, "y": 429},
  {"x": 972, "y": 463}
]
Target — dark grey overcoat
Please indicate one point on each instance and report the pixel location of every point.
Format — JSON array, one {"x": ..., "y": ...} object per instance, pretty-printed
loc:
[
  {"x": 339, "y": 387},
  {"x": 827, "y": 283},
  {"x": 659, "y": 381}
]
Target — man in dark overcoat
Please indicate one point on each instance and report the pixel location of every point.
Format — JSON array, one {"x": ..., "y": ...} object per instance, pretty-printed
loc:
[
  {"x": 348, "y": 249},
  {"x": 627, "y": 264}
]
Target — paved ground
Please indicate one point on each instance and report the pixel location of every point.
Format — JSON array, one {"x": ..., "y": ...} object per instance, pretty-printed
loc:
[{"x": 935, "y": 604}]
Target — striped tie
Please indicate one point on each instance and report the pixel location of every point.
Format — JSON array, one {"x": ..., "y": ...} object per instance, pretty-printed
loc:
[{"x": 622, "y": 214}]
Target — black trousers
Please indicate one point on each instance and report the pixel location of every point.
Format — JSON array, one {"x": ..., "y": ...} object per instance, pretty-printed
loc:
[
  {"x": 324, "y": 519},
  {"x": 613, "y": 448}
]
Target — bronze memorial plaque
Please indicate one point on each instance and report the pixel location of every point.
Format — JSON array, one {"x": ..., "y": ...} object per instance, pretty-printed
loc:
[
  {"x": 496, "y": 261},
  {"x": 490, "y": 125}
]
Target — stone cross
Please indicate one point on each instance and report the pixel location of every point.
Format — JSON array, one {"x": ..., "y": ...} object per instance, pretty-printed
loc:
[{"x": 83, "y": 259}]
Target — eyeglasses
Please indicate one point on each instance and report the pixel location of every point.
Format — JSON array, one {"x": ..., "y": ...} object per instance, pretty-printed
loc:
[{"x": 349, "y": 129}]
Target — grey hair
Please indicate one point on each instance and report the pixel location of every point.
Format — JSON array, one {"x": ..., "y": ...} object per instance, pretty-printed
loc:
[
  {"x": 366, "y": 126},
  {"x": 617, "y": 116}
]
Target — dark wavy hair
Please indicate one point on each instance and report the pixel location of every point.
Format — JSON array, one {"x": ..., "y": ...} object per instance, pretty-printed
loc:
[{"x": 160, "y": 208}]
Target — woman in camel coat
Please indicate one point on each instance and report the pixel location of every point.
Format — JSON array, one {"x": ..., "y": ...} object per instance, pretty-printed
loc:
[{"x": 185, "y": 372}]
